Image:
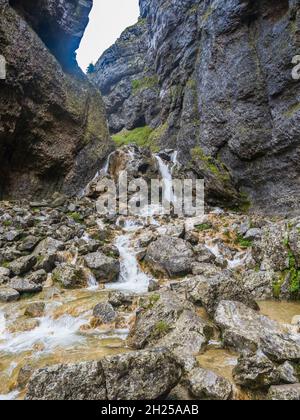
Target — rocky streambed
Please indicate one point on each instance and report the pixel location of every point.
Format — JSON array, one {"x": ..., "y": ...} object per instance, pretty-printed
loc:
[{"x": 146, "y": 307}]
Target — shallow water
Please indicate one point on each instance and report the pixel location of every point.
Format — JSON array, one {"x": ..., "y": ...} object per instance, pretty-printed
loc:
[
  {"x": 219, "y": 361},
  {"x": 282, "y": 312}
]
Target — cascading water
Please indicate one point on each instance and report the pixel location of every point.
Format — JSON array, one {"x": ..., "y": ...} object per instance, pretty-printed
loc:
[{"x": 166, "y": 175}]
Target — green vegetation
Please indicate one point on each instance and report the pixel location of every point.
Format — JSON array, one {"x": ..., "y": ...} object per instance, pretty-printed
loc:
[
  {"x": 204, "y": 226},
  {"x": 91, "y": 69},
  {"x": 140, "y": 136},
  {"x": 161, "y": 328},
  {"x": 153, "y": 299},
  {"x": 77, "y": 217},
  {"x": 242, "y": 242},
  {"x": 292, "y": 273},
  {"x": 292, "y": 110},
  {"x": 147, "y": 82},
  {"x": 7, "y": 223},
  {"x": 211, "y": 164}
]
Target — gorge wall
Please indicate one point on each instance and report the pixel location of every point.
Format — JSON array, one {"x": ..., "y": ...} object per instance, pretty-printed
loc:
[
  {"x": 212, "y": 78},
  {"x": 53, "y": 129}
]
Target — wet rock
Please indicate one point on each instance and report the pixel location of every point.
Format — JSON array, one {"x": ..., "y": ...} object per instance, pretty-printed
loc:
[
  {"x": 24, "y": 285},
  {"x": 70, "y": 276},
  {"x": 105, "y": 269},
  {"x": 170, "y": 256},
  {"x": 8, "y": 295},
  {"x": 84, "y": 381},
  {"x": 210, "y": 291},
  {"x": 284, "y": 393},
  {"x": 244, "y": 329},
  {"x": 206, "y": 385},
  {"x": 23, "y": 325},
  {"x": 104, "y": 313},
  {"x": 22, "y": 265},
  {"x": 24, "y": 375},
  {"x": 35, "y": 310},
  {"x": 143, "y": 375},
  {"x": 117, "y": 299}
]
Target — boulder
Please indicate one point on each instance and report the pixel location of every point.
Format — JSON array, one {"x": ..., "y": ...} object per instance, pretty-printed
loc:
[
  {"x": 24, "y": 285},
  {"x": 284, "y": 393},
  {"x": 29, "y": 243},
  {"x": 22, "y": 265},
  {"x": 106, "y": 269},
  {"x": 70, "y": 276},
  {"x": 8, "y": 295},
  {"x": 206, "y": 385},
  {"x": 145, "y": 375},
  {"x": 170, "y": 256},
  {"x": 209, "y": 291},
  {"x": 165, "y": 321},
  {"x": 244, "y": 329},
  {"x": 84, "y": 381},
  {"x": 104, "y": 313}
]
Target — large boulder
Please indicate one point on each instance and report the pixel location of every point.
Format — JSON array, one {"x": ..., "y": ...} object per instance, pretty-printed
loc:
[
  {"x": 24, "y": 285},
  {"x": 170, "y": 256},
  {"x": 244, "y": 329},
  {"x": 8, "y": 294},
  {"x": 70, "y": 276},
  {"x": 145, "y": 375},
  {"x": 209, "y": 291},
  {"x": 53, "y": 132},
  {"x": 106, "y": 269},
  {"x": 84, "y": 381},
  {"x": 22, "y": 265},
  {"x": 165, "y": 321}
]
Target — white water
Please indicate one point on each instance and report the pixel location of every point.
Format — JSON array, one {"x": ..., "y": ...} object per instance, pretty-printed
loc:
[
  {"x": 166, "y": 175},
  {"x": 51, "y": 333},
  {"x": 131, "y": 279},
  {"x": 9, "y": 397}
]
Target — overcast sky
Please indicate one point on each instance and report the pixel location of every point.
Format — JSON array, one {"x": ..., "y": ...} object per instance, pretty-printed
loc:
[{"x": 108, "y": 19}]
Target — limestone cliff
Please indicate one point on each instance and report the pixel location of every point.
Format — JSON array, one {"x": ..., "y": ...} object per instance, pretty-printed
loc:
[
  {"x": 53, "y": 130},
  {"x": 213, "y": 79}
]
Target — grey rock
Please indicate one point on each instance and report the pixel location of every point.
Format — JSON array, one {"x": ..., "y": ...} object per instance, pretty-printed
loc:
[
  {"x": 24, "y": 285},
  {"x": 104, "y": 313},
  {"x": 35, "y": 309},
  {"x": 284, "y": 393},
  {"x": 37, "y": 277},
  {"x": 22, "y": 265},
  {"x": 133, "y": 376},
  {"x": 8, "y": 295},
  {"x": 85, "y": 381},
  {"x": 105, "y": 269},
  {"x": 143, "y": 375},
  {"x": 117, "y": 299},
  {"x": 206, "y": 385},
  {"x": 29, "y": 243},
  {"x": 70, "y": 276},
  {"x": 49, "y": 246},
  {"x": 245, "y": 330},
  {"x": 170, "y": 256},
  {"x": 209, "y": 291}
]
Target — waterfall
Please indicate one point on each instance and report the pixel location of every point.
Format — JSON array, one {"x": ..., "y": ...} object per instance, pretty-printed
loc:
[{"x": 166, "y": 175}]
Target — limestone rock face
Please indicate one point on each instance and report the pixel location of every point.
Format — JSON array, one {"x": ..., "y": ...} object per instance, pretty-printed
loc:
[
  {"x": 214, "y": 80},
  {"x": 53, "y": 131}
]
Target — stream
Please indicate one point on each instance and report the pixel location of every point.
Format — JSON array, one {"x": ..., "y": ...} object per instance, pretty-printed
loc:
[{"x": 60, "y": 336}]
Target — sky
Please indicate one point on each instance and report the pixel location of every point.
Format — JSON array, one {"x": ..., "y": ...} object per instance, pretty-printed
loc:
[{"x": 108, "y": 19}]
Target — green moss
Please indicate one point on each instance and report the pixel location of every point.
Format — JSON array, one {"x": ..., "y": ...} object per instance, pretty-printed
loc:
[
  {"x": 147, "y": 82},
  {"x": 140, "y": 136},
  {"x": 204, "y": 226},
  {"x": 5, "y": 264},
  {"x": 7, "y": 223},
  {"x": 77, "y": 217},
  {"x": 153, "y": 299},
  {"x": 161, "y": 328},
  {"x": 198, "y": 155},
  {"x": 243, "y": 243},
  {"x": 292, "y": 110}
]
